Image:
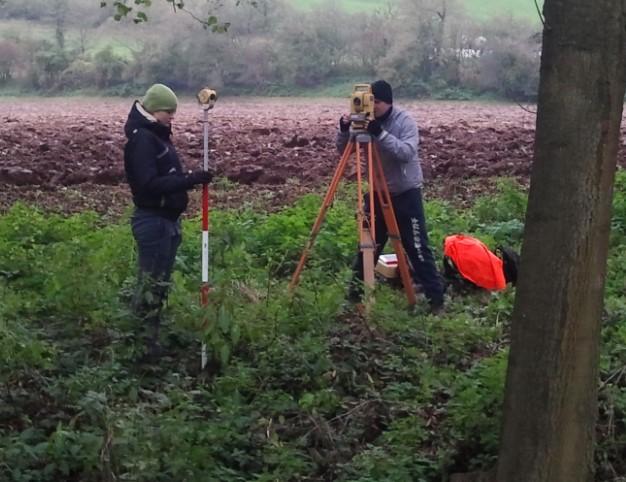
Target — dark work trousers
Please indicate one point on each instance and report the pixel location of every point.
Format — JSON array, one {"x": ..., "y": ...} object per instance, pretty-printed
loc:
[
  {"x": 409, "y": 211},
  {"x": 157, "y": 240}
]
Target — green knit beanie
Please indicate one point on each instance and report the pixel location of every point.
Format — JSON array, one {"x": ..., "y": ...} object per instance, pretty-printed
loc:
[{"x": 159, "y": 97}]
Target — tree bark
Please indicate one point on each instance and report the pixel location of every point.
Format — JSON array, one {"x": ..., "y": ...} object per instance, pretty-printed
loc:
[{"x": 550, "y": 404}]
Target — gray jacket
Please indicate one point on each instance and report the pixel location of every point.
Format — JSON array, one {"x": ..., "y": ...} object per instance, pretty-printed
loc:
[{"x": 397, "y": 145}]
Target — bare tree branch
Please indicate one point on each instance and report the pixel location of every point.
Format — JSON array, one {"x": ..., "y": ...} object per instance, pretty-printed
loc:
[
  {"x": 534, "y": 112},
  {"x": 122, "y": 10},
  {"x": 543, "y": 20}
]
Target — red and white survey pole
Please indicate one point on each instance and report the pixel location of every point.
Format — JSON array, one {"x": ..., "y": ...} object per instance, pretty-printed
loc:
[{"x": 207, "y": 98}]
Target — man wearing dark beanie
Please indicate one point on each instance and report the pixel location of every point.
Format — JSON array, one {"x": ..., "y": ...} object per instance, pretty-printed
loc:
[
  {"x": 382, "y": 91},
  {"x": 395, "y": 135},
  {"x": 159, "y": 188}
]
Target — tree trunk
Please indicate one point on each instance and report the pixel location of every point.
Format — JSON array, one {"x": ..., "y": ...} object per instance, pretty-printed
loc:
[{"x": 550, "y": 404}]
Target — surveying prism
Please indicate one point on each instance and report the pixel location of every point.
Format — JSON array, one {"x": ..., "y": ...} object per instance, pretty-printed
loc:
[
  {"x": 206, "y": 98},
  {"x": 360, "y": 144}
]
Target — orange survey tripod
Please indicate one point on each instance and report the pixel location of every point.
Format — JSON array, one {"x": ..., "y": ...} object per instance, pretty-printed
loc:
[{"x": 367, "y": 225}]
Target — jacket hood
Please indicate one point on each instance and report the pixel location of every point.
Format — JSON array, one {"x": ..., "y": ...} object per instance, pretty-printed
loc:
[{"x": 139, "y": 118}]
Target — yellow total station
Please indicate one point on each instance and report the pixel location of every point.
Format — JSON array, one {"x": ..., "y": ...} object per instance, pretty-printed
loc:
[{"x": 361, "y": 106}]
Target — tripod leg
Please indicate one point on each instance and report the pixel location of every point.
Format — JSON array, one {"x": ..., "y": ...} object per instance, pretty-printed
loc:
[
  {"x": 372, "y": 184},
  {"x": 328, "y": 199},
  {"x": 367, "y": 244},
  {"x": 392, "y": 228}
]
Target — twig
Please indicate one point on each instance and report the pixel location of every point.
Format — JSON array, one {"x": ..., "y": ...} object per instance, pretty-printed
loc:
[
  {"x": 534, "y": 112},
  {"x": 543, "y": 20},
  {"x": 352, "y": 410},
  {"x": 204, "y": 23},
  {"x": 617, "y": 373},
  {"x": 325, "y": 429},
  {"x": 194, "y": 16}
]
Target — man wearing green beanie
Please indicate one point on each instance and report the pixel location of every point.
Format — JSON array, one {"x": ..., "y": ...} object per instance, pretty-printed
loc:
[
  {"x": 159, "y": 187},
  {"x": 160, "y": 98}
]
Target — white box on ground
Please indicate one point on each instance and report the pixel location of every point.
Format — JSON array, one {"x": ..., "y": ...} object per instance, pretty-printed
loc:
[{"x": 387, "y": 266}]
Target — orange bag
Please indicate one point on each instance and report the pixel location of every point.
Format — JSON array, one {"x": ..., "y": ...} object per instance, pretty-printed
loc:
[{"x": 475, "y": 262}]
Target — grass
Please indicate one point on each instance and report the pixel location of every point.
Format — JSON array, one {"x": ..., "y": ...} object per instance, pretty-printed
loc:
[
  {"x": 94, "y": 42},
  {"x": 485, "y": 9},
  {"x": 122, "y": 49},
  {"x": 13, "y": 28},
  {"x": 480, "y": 9}
]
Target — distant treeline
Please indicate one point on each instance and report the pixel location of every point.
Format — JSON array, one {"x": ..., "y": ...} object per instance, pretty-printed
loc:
[{"x": 425, "y": 48}]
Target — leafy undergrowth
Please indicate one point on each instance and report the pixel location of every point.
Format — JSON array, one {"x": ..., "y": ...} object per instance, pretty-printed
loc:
[{"x": 297, "y": 388}]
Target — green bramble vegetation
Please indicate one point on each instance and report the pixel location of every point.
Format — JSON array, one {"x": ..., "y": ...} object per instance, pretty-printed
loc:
[{"x": 297, "y": 388}]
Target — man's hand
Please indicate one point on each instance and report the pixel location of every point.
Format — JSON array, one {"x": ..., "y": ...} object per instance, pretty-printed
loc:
[
  {"x": 374, "y": 127},
  {"x": 344, "y": 123},
  {"x": 200, "y": 177}
]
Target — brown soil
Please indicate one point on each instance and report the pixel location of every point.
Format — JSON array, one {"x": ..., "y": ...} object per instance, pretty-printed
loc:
[{"x": 66, "y": 154}]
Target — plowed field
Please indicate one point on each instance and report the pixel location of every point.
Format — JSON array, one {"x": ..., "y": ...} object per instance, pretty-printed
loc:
[{"x": 66, "y": 154}]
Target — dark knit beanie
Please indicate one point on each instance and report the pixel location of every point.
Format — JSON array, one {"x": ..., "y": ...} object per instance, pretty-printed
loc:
[
  {"x": 382, "y": 91},
  {"x": 159, "y": 97}
]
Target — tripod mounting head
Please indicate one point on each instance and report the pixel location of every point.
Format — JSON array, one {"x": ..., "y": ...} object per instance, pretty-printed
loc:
[{"x": 360, "y": 136}]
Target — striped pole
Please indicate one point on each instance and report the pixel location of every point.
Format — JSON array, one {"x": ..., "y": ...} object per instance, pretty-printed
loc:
[{"x": 204, "y": 289}]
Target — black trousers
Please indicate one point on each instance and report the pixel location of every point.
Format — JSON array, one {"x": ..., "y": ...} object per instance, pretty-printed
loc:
[
  {"x": 409, "y": 210},
  {"x": 157, "y": 239}
]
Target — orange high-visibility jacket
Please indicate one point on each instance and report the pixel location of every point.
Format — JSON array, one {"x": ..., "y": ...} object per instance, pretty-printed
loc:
[{"x": 475, "y": 262}]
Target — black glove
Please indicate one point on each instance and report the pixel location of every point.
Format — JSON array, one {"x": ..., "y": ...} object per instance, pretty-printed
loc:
[
  {"x": 344, "y": 124},
  {"x": 374, "y": 128},
  {"x": 200, "y": 177}
]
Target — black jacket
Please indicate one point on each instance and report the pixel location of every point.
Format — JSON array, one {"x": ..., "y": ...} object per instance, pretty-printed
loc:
[{"x": 153, "y": 169}]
